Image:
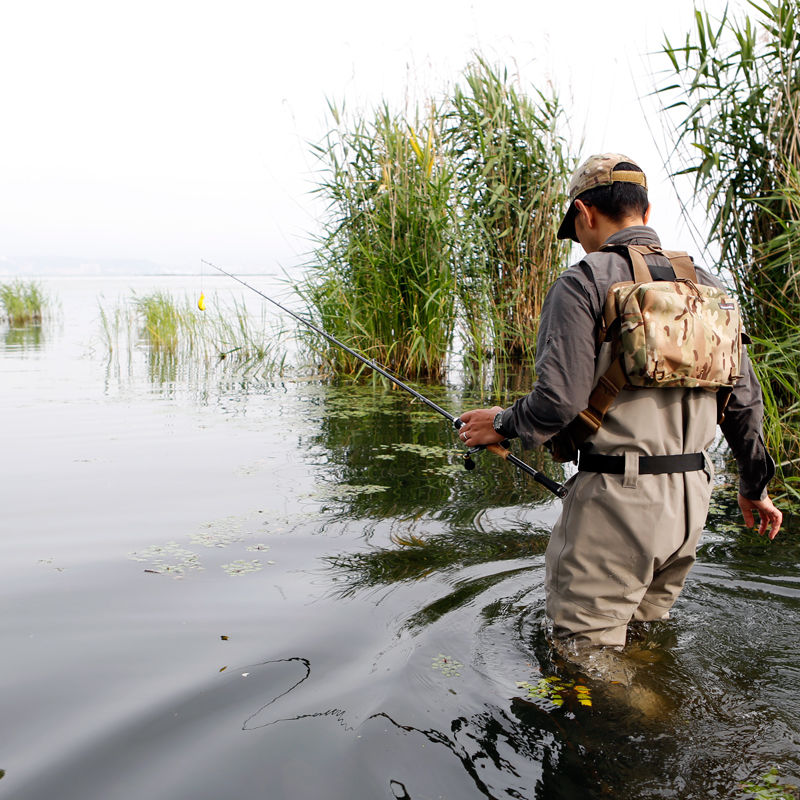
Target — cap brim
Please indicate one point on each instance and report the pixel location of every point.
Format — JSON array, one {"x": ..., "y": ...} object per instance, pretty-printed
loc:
[{"x": 567, "y": 228}]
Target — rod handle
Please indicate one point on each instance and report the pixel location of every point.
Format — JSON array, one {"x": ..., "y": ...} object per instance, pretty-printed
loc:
[{"x": 558, "y": 489}]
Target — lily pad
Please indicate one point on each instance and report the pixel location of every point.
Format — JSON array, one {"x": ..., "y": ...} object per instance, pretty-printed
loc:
[
  {"x": 169, "y": 558},
  {"x": 448, "y": 666},
  {"x": 242, "y": 567}
]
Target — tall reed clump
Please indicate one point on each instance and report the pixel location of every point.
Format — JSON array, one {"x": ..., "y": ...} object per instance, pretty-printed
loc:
[
  {"x": 382, "y": 280},
  {"x": 736, "y": 86},
  {"x": 512, "y": 169},
  {"x": 23, "y": 302}
]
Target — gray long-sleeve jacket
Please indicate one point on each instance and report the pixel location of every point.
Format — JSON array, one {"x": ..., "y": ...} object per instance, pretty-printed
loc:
[{"x": 565, "y": 364}]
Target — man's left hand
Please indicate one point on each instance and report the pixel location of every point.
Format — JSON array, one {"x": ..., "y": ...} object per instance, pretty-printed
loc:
[
  {"x": 769, "y": 517},
  {"x": 478, "y": 428}
]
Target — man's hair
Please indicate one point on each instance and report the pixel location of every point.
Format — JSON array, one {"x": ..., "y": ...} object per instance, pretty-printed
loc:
[{"x": 620, "y": 199}]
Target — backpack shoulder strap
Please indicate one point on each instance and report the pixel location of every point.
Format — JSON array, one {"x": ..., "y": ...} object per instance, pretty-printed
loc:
[
  {"x": 641, "y": 272},
  {"x": 680, "y": 261}
]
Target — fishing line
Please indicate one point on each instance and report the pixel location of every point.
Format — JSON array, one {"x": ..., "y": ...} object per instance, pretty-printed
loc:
[{"x": 201, "y": 301}]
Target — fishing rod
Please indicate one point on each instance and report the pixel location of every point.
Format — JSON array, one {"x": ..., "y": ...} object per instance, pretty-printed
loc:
[{"x": 498, "y": 449}]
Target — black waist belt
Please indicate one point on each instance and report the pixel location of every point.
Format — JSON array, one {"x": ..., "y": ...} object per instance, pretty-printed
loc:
[{"x": 648, "y": 465}]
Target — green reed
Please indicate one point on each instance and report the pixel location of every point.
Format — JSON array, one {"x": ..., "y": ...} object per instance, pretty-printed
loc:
[
  {"x": 512, "y": 170},
  {"x": 163, "y": 321},
  {"x": 252, "y": 346},
  {"x": 439, "y": 222},
  {"x": 738, "y": 91},
  {"x": 174, "y": 333},
  {"x": 382, "y": 279},
  {"x": 23, "y": 302},
  {"x": 736, "y": 87}
]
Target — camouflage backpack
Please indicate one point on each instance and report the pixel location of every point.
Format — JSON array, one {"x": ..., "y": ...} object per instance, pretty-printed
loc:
[{"x": 663, "y": 334}]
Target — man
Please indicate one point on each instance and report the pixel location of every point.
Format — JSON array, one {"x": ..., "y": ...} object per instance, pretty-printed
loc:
[{"x": 628, "y": 530}]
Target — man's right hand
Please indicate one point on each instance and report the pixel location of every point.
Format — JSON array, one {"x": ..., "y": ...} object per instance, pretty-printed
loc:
[{"x": 769, "y": 516}]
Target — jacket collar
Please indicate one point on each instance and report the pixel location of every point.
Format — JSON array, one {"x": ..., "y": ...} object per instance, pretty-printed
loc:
[{"x": 635, "y": 234}]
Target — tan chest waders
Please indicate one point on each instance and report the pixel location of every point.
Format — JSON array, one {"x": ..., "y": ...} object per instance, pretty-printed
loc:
[{"x": 663, "y": 334}]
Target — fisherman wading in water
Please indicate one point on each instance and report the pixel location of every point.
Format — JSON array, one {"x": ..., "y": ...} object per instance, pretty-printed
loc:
[{"x": 634, "y": 394}]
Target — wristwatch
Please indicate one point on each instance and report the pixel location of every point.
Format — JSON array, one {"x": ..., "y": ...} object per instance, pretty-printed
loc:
[{"x": 497, "y": 423}]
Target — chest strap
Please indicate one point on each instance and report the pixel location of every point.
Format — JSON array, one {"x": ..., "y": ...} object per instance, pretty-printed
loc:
[{"x": 648, "y": 465}]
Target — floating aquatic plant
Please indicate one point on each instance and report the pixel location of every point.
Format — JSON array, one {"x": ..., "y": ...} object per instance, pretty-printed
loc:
[
  {"x": 554, "y": 690},
  {"x": 424, "y": 450},
  {"x": 169, "y": 559},
  {"x": 242, "y": 567},
  {"x": 219, "y": 534},
  {"x": 448, "y": 666},
  {"x": 344, "y": 491},
  {"x": 769, "y": 787}
]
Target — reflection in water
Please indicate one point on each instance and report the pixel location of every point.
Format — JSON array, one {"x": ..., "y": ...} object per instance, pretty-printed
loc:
[
  {"x": 23, "y": 338},
  {"x": 371, "y": 437},
  {"x": 413, "y": 557},
  {"x": 435, "y": 686}
]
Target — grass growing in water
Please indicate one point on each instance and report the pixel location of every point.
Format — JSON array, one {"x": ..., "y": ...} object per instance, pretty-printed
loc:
[
  {"x": 512, "y": 170},
  {"x": 23, "y": 302},
  {"x": 383, "y": 281},
  {"x": 163, "y": 321},
  {"x": 459, "y": 203},
  {"x": 173, "y": 332}
]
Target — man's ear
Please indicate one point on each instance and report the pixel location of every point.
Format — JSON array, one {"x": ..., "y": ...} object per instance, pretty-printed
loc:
[
  {"x": 646, "y": 215},
  {"x": 587, "y": 213}
]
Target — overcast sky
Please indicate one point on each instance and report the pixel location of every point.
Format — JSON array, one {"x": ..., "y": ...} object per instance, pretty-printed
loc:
[{"x": 172, "y": 131}]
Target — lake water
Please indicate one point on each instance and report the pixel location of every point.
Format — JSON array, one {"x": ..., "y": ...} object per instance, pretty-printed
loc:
[{"x": 216, "y": 585}]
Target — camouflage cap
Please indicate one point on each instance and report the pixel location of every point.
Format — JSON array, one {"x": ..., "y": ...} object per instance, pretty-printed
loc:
[{"x": 597, "y": 170}]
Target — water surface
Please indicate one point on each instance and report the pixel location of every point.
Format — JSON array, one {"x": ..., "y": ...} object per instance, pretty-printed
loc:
[{"x": 216, "y": 585}]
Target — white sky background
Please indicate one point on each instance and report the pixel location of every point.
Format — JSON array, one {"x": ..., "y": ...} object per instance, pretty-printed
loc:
[{"x": 172, "y": 131}]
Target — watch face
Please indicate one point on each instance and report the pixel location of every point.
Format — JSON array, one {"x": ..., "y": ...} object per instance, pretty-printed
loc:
[{"x": 497, "y": 422}]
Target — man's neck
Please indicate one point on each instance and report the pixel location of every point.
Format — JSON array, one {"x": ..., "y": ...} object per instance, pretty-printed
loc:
[{"x": 607, "y": 227}]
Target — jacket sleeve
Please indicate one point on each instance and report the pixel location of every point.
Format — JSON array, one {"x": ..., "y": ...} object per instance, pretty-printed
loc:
[
  {"x": 741, "y": 427},
  {"x": 565, "y": 360}
]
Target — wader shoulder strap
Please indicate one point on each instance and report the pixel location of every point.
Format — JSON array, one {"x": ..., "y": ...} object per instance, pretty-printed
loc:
[{"x": 611, "y": 383}]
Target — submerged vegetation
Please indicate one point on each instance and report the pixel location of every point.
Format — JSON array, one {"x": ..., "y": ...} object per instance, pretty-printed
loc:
[
  {"x": 22, "y": 302},
  {"x": 737, "y": 93}
]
